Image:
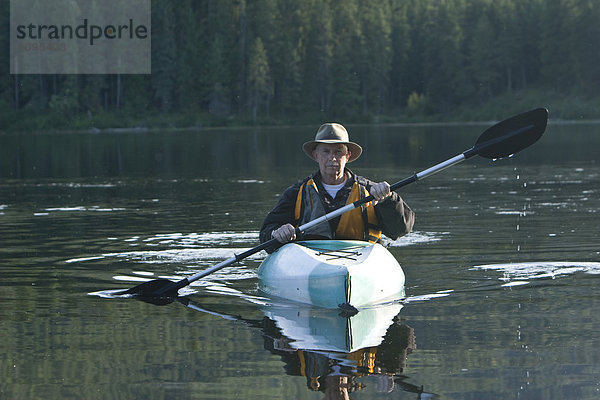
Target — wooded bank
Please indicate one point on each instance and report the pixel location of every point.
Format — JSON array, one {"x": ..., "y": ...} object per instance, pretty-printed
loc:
[{"x": 273, "y": 61}]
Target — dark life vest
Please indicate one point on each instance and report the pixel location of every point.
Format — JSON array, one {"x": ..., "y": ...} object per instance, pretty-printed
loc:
[{"x": 358, "y": 224}]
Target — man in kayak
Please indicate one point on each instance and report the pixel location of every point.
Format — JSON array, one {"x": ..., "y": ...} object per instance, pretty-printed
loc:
[{"x": 332, "y": 187}]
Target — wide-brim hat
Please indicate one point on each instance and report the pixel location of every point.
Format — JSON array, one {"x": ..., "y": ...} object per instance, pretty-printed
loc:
[{"x": 332, "y": 133}]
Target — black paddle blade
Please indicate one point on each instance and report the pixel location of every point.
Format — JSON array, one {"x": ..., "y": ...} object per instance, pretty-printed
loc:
[
  {"x": 511, "y": 135},
  {"x": 154, "y": 288}
]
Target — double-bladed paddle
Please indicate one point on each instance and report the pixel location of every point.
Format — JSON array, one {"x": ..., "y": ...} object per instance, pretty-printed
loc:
[{"x": 498, "y": 141}]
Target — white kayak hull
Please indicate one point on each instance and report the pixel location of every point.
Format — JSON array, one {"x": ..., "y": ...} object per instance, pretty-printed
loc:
[{"x": 332, "y": 273}]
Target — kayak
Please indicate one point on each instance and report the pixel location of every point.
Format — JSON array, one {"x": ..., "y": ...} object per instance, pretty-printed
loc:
[{"x": 332, "y": 274}]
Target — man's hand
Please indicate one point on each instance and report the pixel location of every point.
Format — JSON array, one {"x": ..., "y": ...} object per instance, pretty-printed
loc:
[
  {"x": 380, "y": 191},
  {"x": 285, "y": 233}
]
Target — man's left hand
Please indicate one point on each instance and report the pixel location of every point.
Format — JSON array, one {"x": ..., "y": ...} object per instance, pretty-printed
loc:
[{"x": 380, "y": 191}]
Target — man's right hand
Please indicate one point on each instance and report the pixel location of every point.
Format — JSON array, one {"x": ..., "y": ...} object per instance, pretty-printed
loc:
[{"x": 285, "y": 233}]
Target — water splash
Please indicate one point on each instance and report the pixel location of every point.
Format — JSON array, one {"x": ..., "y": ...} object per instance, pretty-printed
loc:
[
  {"x": 418, "y": 238},
  {"x": 426, "y": 297}
]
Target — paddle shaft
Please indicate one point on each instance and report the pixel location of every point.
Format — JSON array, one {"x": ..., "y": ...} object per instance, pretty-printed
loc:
[
  {"x": 336, "y": 213},
  {"x": 418, "y": 176}
]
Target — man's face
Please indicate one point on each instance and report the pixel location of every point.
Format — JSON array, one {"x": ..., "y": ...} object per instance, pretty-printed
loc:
[{"x": 332, "y": 158}]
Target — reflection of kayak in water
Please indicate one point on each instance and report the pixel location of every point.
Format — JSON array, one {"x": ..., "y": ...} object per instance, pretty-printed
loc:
[
  {"x": 327, "y": 334},
  {"x": 330, "y": 273},
  {"x": 331, "y": 349},
  {"x": 311, "y": 328}
]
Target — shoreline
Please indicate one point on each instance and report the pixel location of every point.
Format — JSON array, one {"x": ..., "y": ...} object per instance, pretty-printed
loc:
[{"x": 150, "y": 129}]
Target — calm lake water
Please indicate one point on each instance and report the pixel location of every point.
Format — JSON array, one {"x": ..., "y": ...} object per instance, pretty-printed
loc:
[{"x": 502, "y": 270}]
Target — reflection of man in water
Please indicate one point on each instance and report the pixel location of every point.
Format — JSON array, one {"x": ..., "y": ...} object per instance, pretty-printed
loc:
[
  {"x": 325, "y": 375},
  {"x": 335, "y": 376},
  {"x": 338, "y": 387}
]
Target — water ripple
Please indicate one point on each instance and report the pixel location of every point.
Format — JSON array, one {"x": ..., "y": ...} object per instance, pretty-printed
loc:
[
  {"x": 515, "y": 274},
  {"x": 172, "y": 256},
  {"x": 202, "y": 239}
]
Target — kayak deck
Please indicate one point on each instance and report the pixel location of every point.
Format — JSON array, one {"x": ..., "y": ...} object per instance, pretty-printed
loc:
[{"x": 332, "y": 273}]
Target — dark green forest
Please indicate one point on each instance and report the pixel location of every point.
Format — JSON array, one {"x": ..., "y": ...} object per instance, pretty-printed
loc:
[{"x": 227, "y": 62}]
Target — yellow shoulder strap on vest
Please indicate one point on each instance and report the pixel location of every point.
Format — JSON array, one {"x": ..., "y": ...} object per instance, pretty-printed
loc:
[
  {"x": 351, "y": 224},
  {"x": 298, "y": 208},
  {"x": 360, "y": 223},
  {"x": 373, "y": 230},
  {"x": 309, "y": 206}
]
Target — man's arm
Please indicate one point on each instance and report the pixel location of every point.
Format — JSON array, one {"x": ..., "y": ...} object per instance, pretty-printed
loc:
[
  {"x": 281, "y": 214},
  {"x": 395, "y": 216}
]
